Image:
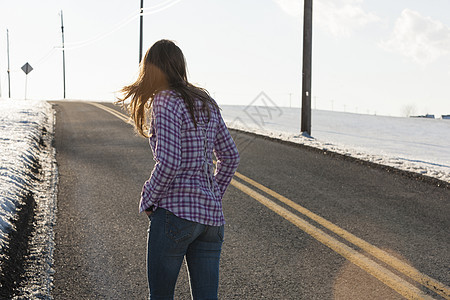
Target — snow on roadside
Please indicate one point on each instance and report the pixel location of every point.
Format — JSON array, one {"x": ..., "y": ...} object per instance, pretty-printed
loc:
[
  {"x": 28, "y": 169},
  {"x": 414, "y": 145}
]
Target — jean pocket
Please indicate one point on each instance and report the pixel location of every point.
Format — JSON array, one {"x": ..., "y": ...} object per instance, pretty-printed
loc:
[
  {"x": 221, "y": 232},
  {"x": 178, "y": 229}
]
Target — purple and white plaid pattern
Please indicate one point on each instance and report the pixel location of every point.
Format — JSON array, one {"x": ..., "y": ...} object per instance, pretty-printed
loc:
[{"x": 179, "y": 181}]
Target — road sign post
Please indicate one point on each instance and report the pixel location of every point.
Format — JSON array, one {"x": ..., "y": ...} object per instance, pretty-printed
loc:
[{"x": 26, "y": 68}]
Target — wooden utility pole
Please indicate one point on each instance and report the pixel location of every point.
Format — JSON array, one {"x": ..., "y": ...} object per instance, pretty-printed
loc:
[
  {"x": 306, "y": 73},
  {"x": 64, "y": 57},
  {"x": 9, "y": 68},
  {"x": 141, "y": 31}
]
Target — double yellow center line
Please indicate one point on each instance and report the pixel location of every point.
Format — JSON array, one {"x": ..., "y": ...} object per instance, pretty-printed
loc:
[{"x": 397, "y": 283}]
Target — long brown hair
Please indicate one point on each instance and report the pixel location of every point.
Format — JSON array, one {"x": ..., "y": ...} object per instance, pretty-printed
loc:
[{"x": 163, "y": 68}]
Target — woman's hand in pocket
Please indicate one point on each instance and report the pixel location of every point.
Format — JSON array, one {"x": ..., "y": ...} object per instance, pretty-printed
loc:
[{"x": 149, "y": 211}]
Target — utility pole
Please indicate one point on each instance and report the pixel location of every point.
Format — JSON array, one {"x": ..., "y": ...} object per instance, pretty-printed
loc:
[
  {"x": 63, "y": 55},
  {"x": 141, "y": 31},
  {"x": 9, "y": 69},
  {"x": 306, "y": 73}
]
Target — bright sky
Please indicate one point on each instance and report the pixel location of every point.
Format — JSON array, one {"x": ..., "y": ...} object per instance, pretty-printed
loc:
[{"x": 369, "y": 56}]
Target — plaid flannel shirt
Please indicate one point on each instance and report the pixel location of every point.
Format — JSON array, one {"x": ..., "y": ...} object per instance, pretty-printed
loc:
[{"x": 183, "y": 180}]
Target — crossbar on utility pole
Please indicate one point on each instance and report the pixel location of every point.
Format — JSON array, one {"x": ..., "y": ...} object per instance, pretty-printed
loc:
[
  {"x": 141, "y": 30},
  {"x": 9, "y": 68},
  {"x": 63, "y": 55},
  {"x": 306, "y": 72}
]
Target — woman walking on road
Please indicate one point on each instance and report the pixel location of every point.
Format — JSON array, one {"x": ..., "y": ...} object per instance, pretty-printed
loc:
[{"x": 183, "y": 197}]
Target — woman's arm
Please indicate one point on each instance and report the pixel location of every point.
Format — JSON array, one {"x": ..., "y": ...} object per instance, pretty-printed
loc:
[
  {"x": 167, "y": 153},
  {"x": 227, "y": 157}
]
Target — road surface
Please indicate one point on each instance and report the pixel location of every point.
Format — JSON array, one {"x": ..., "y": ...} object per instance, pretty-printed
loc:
[{"x": 300, "y": 224}]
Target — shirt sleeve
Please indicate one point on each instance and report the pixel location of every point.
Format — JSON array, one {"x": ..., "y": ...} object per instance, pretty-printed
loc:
[
  {"x": 227, "y": 156},
  {"x": 166, "y": 125}
]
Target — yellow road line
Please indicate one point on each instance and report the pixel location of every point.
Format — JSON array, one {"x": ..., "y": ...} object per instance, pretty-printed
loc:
[
  {"x": 112, "y": 111},
  {"x": 384, "y": 275},
  {"x": 394, "y": 262},
  {"x": 401, "y": 286}
]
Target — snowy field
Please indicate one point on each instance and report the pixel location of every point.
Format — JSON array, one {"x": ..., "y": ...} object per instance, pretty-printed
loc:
[
  {"x": 28, "y": 180},
  {"x": 410, "y": 144}
]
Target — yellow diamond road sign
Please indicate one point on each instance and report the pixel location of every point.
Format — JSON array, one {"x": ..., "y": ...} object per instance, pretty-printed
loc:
[{"x": 27, "y": 68}]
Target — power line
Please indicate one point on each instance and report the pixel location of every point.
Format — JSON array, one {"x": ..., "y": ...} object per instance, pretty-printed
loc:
[
  {"x": 70, "y": 46},
  {"x": 45, "y": 57},
  {"x": 160, "y": 7},
  {"x": 146, "y": 11}
]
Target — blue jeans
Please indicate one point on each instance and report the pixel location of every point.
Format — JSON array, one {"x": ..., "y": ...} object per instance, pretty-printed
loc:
[{"x": 170, "y": 239}]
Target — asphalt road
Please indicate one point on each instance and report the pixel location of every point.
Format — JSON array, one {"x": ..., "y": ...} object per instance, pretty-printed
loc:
[{"x": 101, "y": 238}]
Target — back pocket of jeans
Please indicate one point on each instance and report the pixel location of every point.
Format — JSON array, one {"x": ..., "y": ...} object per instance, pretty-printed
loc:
[
  {"x": 178, "y": 229},
  {"x": 221, "y": 232}
]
